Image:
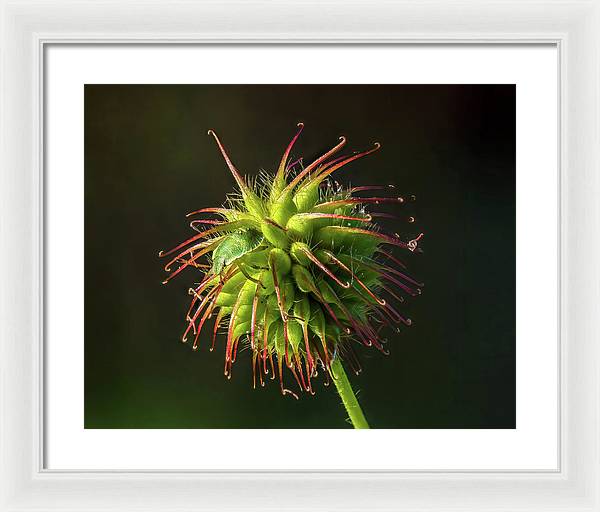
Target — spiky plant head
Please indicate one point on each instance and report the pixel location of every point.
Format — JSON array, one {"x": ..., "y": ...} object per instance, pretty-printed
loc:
[{"x": 297, "y": 269}]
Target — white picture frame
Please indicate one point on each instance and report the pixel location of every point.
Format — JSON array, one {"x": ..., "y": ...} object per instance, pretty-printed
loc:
[{"x": 573, "y": 26}]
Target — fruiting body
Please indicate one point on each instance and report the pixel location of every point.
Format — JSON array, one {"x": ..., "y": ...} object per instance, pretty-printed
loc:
[{"x": 298, "y": 270}]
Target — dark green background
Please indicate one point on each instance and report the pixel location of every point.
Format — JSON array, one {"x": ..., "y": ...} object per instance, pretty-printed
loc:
[{"x": 148, "y": 161}]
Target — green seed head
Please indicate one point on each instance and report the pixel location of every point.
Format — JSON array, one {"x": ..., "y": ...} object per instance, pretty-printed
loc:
[{"x": 295, "y": 269}]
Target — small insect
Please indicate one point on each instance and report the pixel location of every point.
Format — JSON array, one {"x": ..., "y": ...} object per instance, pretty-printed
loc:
[{"x": 234, "y": 248}]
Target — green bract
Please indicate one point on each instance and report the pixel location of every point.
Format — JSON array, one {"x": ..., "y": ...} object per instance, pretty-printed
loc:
[{"x": 296, "y": 269}]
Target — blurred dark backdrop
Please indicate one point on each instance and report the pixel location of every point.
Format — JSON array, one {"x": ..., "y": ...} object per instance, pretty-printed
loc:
[{"x": 149, "y": 161}]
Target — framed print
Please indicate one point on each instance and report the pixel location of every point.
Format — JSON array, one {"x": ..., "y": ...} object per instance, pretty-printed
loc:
[
  {"x": 304, "y": 267},
  {"x": 124, "y": 398}
]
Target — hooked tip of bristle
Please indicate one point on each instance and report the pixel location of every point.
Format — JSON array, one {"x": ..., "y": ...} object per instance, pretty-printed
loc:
[
  {"x": 377, "y": 145},
  {"x": 211, "y": 132},
  {"x": 160, "y": 254},
  {"x": 289, "y": 392},
  {"x": 300, "y": 124}
]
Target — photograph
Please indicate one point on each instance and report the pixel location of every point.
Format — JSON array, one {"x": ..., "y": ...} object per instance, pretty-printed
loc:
[
  {"x": 285, "y": 256},
  {"x": 328, "y": 256}
]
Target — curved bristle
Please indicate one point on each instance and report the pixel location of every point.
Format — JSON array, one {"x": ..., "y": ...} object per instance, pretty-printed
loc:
[
  {"x": 359, "y": 200},
  {"x": 286, "y": 154},
  {"x": 317, "y": 162},
  {"x": 328, "y": 272},
  {"x": 331, "y": 169},
  {"x": 236, "y": 174},
  {"x": 317, "y": 215}
]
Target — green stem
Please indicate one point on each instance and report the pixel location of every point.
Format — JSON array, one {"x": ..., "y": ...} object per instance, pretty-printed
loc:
[{"x": 348, "y": 397}]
